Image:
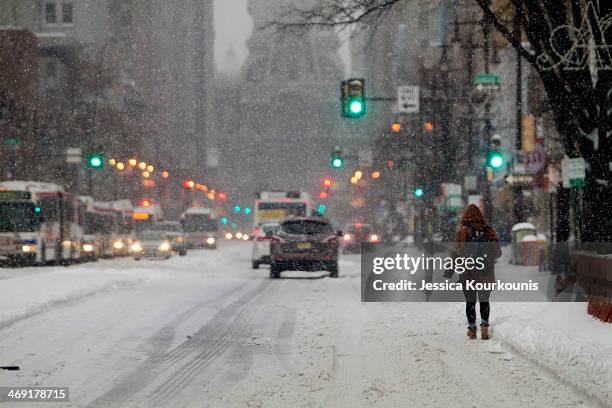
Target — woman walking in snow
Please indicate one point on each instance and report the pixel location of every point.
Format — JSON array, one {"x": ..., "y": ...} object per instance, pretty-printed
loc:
[{"x": 475, "y": 235}]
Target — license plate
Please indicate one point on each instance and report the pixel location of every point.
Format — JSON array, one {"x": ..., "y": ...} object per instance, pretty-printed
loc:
[{"x": 303, "y": 245}]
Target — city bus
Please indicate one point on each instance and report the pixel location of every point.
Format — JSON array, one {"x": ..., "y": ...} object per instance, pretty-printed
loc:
[
  {"x": 39, "y": 223},
  {"x": 270, "y": 208},
  {"x": 200, "y": 227},
  {"x": 123, "y": 225}
]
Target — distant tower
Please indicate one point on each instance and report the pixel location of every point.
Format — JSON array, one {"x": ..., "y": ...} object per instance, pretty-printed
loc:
[
  {"x": 231, "y": 65},
  {"x": 289, "y": 102}
]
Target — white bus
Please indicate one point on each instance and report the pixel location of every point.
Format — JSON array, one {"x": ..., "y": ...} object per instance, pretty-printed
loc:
[
  {"x": 122, "y": 231},
  {"x": 270, "y": 208},
  {"x": 39, "y": 223},
  {"x": 273, "y": 206},
  {"x": 200, "y": 227}
]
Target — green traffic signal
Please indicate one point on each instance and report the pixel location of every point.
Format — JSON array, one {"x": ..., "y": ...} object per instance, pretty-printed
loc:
[
  {"x": 495, "y": 160},
  {"x": 237, "y": 208},
  {"x": 353, "y": 97},
  {"x": 247, "y": 210},
  {"x": 356, "y": 107},
  {"x": 321, "y": 209},
  {"x": 337, "y": 162},
  {"x": 418, "y": 192},
  {"x": 95, "y": 161},
  {"x": 224, "y": 220}
]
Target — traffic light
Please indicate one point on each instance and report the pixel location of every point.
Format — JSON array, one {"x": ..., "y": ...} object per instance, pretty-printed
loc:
[
  {"x": 353, "y": 98},
  {"x": 247, "y": 211},
  {"x": 396, "y": 127},
  {"x": 327, "y": 182},
  {"x": 237, "y": 208},
  {"x": 337, "y": 159},
  {"x": 145, "y": 202},
  {"x": 224, "y": 220},
  {"x": 95, "y": 160},
  {"x": 495, "y": 158},
  {"x": 419, "y": 192},
  {"x": 321, "y": 209},
  {"x": 323, "y": 195}
]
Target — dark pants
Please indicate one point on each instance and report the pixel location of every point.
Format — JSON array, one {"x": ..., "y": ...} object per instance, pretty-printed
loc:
[{"x": 471, "y": 296}]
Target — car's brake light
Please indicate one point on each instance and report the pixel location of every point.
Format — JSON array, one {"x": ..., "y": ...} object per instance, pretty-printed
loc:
[{"x": 263, "y": 238}]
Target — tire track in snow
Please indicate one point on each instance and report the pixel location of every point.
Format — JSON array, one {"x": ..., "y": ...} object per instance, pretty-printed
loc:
[{"x": 187, "y": 358}]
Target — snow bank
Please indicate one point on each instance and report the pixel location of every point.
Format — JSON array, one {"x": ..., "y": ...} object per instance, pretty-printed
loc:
[
  {"x": 36, "y": 291},
  {"x": 564, "y": 339}
]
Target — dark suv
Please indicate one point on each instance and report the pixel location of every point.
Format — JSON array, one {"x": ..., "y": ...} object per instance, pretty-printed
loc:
[{"x": 304, "y": 244}]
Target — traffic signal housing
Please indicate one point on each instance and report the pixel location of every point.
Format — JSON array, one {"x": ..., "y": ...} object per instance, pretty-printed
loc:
[
  {"x": 495, "y": 158},
  {"x": 337, "y": 159},
  {"x": 353, "y": 97}
]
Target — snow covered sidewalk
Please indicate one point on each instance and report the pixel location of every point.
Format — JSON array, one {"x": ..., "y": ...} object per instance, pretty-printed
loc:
[
  {"x": 40, "y": 288},
  {"x": 559, "y": 336},
  {"x": 562, "y": 338}
]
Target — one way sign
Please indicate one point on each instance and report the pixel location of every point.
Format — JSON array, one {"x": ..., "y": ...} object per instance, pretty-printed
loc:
[{"x": 408, "y": 99}]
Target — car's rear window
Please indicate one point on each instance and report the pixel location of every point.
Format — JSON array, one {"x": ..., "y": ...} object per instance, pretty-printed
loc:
[
  {"x": 364, "y": 229},
  {"x": 306, "y": 227}
]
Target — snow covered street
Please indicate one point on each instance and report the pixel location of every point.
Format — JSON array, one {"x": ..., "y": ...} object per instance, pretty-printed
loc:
[{"x": 206, "y": 330}]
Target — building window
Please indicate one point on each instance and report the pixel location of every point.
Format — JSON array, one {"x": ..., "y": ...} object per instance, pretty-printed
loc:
[
  {"x": 50, "y": 13},
  {"x": 67, "y": 13}
]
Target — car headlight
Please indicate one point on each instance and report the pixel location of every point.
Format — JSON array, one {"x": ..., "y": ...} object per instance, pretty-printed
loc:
[
  {"x": 245, "y": 237},
  {"x": 164, "y": 246},
  {"x": 118, "y": 244},
  {"x": 239, "y": 235},
  {"x": 210, "y": 240},
  {"x": 28, "y": 248},
  {"x": 88, "y": 247},
  {"x": 229, "y": 235},
  {"x": 136, "y": 247},
  {"x": 374, "y": 238}
]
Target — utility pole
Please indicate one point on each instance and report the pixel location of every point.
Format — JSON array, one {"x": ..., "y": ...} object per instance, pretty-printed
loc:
[
  {"x": 517, "y": 191},
  {"x": 488, "y": 204}
]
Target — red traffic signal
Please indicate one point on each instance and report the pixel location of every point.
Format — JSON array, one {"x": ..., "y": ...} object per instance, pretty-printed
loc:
[
  {"x": 323, "y": 195},
  {"x": 221, "y": 195}
]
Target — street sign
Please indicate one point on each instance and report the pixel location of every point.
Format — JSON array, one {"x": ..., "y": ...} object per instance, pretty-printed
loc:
[
  {"x": 535, "y": 161},
  {"x": 522, "y": 179},
  {"x": 470, "y": 183},
  {"x": 573, "y": 172},
  {"x": 487, "y": 82},
  {"x": 408, "y": 99},
  {"x": 12, "y": 142},
  {"x": 212, "y": 157},
  {"x": 73, "y": 155}
]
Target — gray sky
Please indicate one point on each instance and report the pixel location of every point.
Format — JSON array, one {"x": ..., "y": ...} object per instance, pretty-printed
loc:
[{"x": 233, "y": 26}]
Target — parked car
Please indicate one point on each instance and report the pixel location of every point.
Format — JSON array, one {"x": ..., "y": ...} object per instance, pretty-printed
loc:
[{"x": 304, "y": 244}]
